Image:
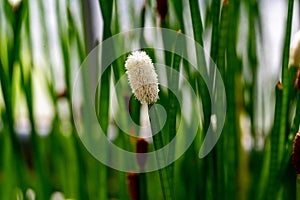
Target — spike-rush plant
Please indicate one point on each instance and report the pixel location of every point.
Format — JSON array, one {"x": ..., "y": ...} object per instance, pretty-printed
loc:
[{"x": 44, "y": 43}]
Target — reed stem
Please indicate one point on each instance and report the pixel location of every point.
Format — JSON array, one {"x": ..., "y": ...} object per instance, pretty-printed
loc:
[{"x": 158, "y": 143}]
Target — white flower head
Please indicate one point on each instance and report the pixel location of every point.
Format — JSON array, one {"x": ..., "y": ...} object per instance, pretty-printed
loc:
[
  {"x": 295, "y": 51},
  {"x": 142, "y": 77}
]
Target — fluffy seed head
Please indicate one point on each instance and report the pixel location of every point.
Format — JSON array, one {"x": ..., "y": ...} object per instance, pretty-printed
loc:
[
  {"x": 142, "y": 77},
  {"x": 295, "y": 51}
]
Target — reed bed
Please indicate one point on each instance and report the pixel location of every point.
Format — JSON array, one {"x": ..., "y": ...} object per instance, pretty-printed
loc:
[{"x": 44, "y": 43}]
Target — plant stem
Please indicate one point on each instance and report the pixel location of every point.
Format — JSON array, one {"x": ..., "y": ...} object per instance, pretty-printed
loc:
[
  {"x": 158, "y": 143},
  {"x": 173, "y": 84},
  {"x": 7, "y": 92},
  {"x": 143, "y": 186},
  {"x": 285, "y": 82},
  {"x": 274, "y": 138},
  {"x": 201, "y": 88},
  {"x": 298, "y": 187}
]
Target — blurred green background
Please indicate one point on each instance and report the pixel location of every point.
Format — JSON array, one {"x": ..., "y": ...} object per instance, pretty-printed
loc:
[{"x": 43, "y": 44}]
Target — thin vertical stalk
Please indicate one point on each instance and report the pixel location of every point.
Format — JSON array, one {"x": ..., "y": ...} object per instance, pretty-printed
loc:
[
  {"x": 298, "y": 187},
  {"x": 201, "y": 89},
  {"x": 221, "y": 63},
  {"x": 285, "y": 82},
  {"x": 143, "y": 186},
  {"x": 231, "y": 126},
  {"x": 178, "y": 6},
  {"x": 196, "y": 21},
  {"x": 274, "y": 139},
  {"x": 103, "y": 101},
  {"x": 216, "y": 4},
  {"x": 214, "y": 46},
  {"x": 66, "y": 52},
  {"x": 16, "y": 26},
  {"x": 252, "y": 88},
  {"x": 6, "y": 87},
  {"x": 44, "y": 187},
  {"x": 279, "y": 134},
  {"x": 173, "y": 84},
  {"x": 103, "y": 109},
  {"x": 158, "y": 143}
]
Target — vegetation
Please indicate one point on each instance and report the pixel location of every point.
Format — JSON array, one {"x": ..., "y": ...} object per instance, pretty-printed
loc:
[{"x": 43, "y": 44}]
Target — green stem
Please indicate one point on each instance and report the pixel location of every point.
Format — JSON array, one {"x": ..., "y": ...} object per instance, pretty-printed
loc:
[
  {"x": 274, "y": 138},
  {"x": 34, "y": 138},
  {"x": 221, "y": 62},
  {"x": 158, "y": 143},
  {"x": 215, "y": 30},
  {"x": 231, "y": 126},
  {"x": 65, "y": 48},
  {"x": 278, "y": 134},
  {"x": 298, "y": 187},
  {"x": 173, "y": 83},
  {"x": 6, "y": 87},
  {"x": 143, "y": 186},
  {"x": 285, "y": 82},
  {"x": 201, "y": 89},
  {"x": 196, "y": 21}
]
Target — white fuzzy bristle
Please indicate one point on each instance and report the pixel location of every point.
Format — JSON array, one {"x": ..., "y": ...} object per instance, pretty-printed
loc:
[{"x": 142, "y": 77}]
